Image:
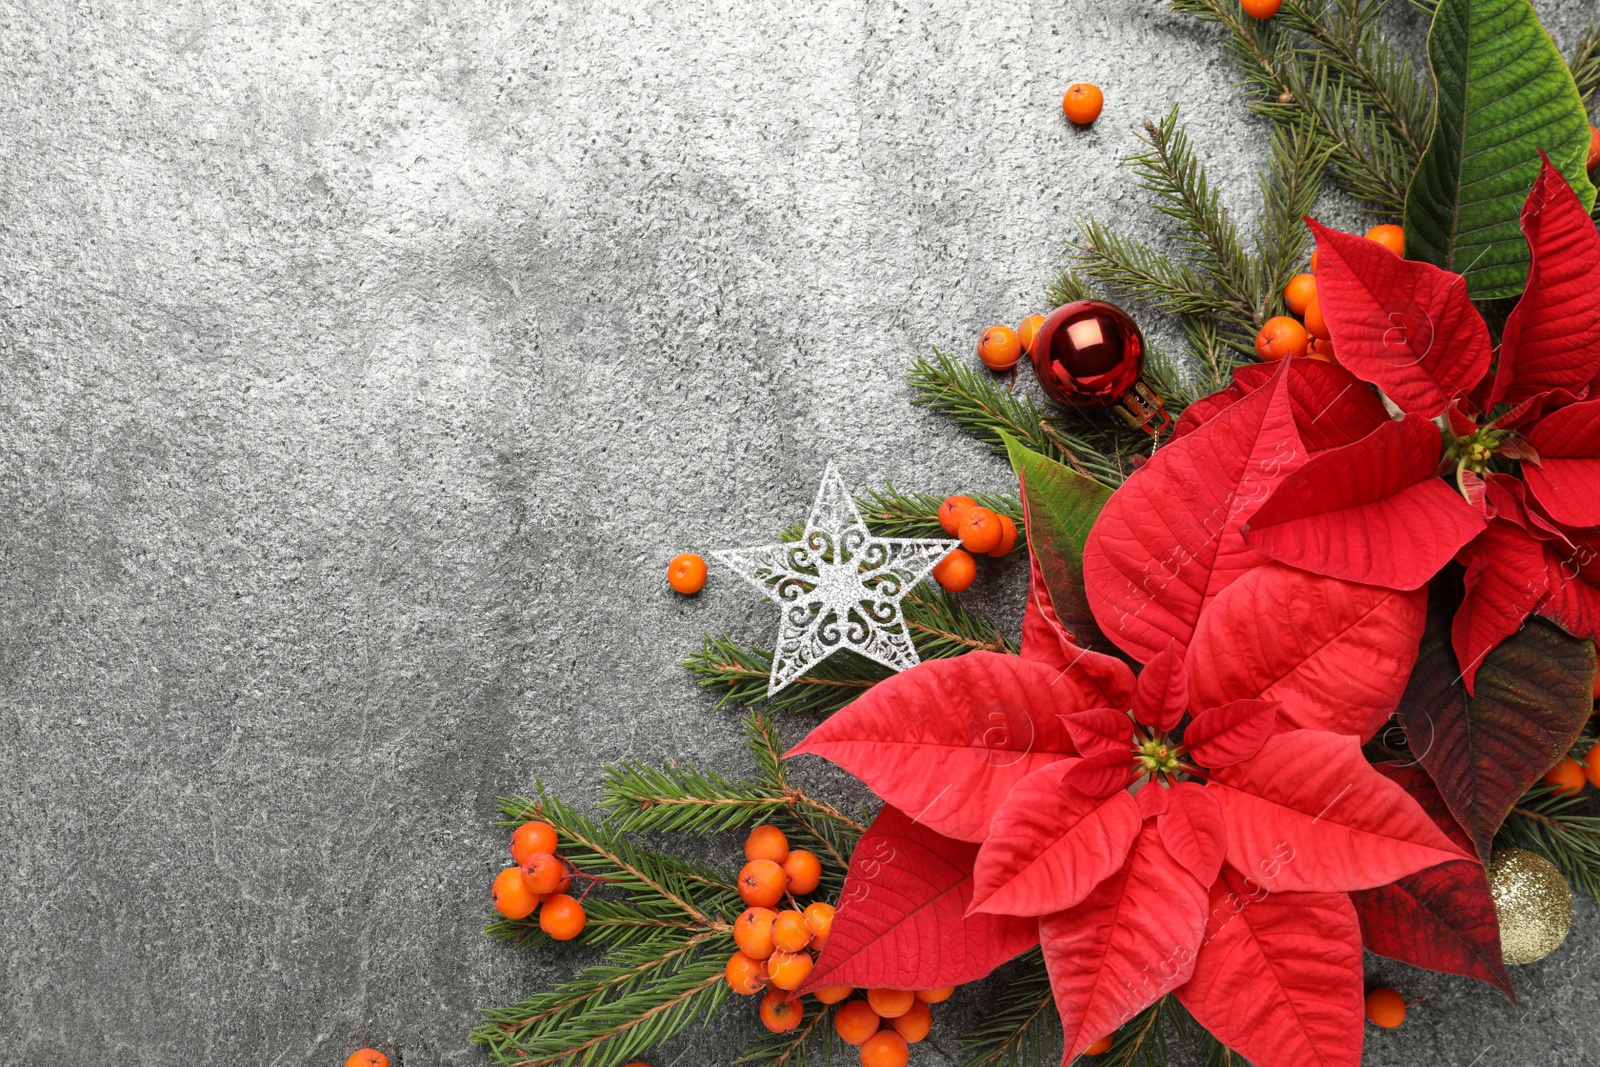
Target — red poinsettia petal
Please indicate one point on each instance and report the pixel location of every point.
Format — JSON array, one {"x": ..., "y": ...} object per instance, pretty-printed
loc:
[
  {"x": 1231, "y": 733},
  {"x": 1334, "y": 654},
  {"x": 1572, "y": 603},
  {"x": 1170, "y": 540},
  {"x": 1050, "y": 845},
  {"x": 1505, "y": 581},
  {"x": 1153, "y": 799},
  {"x": 1309, "y": 814},
  {"x": 947, "y": 739},
  {"x": 1442, "y": 918},
  {"x": 1099, "y": 730},
  {"x": 1331, "y": 406},
  {"x": 1101, "y": 774},
  {"x": 1162, "y": 693},
  {"x": 1566, "y": 480},
  {"x": 1278, "y": 978},
  {"x": 1100, "y": 680},
  {"x": 902, "y": 919},
  {"x": 1403, "y": 325},
  {"x": 1193, "y": 830},
  {"x": 1373, "y": 512},
  {"x": 1552, "y": 337},
  {"x": 1130, "y": 941}
]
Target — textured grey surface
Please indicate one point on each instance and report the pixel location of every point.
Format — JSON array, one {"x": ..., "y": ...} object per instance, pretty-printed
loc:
[{"x": 363, "y": 366}]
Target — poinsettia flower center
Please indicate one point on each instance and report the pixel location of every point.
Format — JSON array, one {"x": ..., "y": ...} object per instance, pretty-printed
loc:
[
  {"x": 1157, "y": 755},
  {"x": 1474, "y": 450}
]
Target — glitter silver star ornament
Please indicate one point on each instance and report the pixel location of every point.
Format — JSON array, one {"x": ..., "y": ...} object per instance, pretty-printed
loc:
[{"x": 839, "y": 586}]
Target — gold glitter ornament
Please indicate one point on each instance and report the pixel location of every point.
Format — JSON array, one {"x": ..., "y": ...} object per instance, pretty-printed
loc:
[{"x": 1534, "y": 903}]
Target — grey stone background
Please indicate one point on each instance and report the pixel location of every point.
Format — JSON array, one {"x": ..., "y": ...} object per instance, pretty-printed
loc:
[{"x": 363, "y": 365}]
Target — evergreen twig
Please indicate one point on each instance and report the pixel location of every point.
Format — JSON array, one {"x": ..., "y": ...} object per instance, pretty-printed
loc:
[
  {"x": 1560, "y": 829},
  {"x": 889, "y": 512},
  {"x": 1023, "y": 1027},
  {"x": 1585, "y": 63}
]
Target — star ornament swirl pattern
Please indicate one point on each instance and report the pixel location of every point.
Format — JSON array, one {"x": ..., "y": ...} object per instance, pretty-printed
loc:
[{"x": 839, "y": 586}]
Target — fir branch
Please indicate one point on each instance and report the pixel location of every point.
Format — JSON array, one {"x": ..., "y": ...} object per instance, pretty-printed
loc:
[
  {"x": 814, "y": 1037},
  {"x": 983, "y": 409},
  {"x": 1207, "y": 348},
  {"x": 1023, "y": 1027},
  {"x": 1585, "y": 63},
  {"x": 1557, "y": 828},
  {"x": 1289, "y": 191},
  {"x": 610, "y": 924},
  {"x": 888, "y": 512},
  {"x": 1136, "y": 270}
]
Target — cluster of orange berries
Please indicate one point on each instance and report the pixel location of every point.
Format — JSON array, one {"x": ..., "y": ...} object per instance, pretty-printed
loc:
[
  {"x": 1283, "y": 335},
  {"x": 1568, "y": 776},
  {"x": 540, "y": 880},
  {"x": 982, "y": 532},
  {"x": 1001, "y": 347}
]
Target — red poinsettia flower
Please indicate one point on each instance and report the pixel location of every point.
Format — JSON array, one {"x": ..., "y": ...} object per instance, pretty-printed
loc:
[
  {"x": 1521, "y": 432},
  {"x": 1197, "y": 828}
]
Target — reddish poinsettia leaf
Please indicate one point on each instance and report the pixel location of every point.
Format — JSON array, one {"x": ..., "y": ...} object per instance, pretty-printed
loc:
[
  {"x": 1050, "y": 845},
  {"x": 1154, "y": 798},
  {"x": 1100, "y": 680},
  {"x": 1484, "y": 750},
  {"x": 947, "y": 739},
  {"x": 1551, "y": 339},
  {"x": 1309, "y": 814},
  {"x": 1099, "y": 730},
  {"x": 1162, "y": 694},
  {"x": 1505, "y": 581},
  {"x": 1374, "y": 512},
  {"x": 1192, "y": 830},
  {"x": 1169, "y": 541},
  {"x": 1102, "y": 773},
  {"x": 1130, "y": 941},
  {"x": 1334, "y": 654},
  {"x": 1059, "y": 505},
  {"x": 1566, "y": 480},
  {"x": 1572, "y": 603},
  {"x": 1442, "y": 918},
  {"x": 1231, "y": 733},
  {"x": 1278, "y": 978},
  {"x": 1403, "y": 325},
  {"x": 1331, "y": 406},
  {"x": 902, "y": 919}
]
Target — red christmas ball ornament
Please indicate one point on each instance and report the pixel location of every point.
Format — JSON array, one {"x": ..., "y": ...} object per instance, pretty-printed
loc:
[{"x": 1088, "y": 354}]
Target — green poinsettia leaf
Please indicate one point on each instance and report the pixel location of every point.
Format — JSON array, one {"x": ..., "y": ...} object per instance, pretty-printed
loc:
[
  {"x": 1534, "y": 693},
  {"x": 1503, "y": 95},
  {"x": 1060, "y": 506}
]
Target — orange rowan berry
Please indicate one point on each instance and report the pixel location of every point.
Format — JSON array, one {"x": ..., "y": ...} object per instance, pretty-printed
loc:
[
  {"x": 1316, "y": 326},
  {"x": 752, "y": 932},
  {"x": 1320, "y": 349},
  {"x": 562, "y": 917},
  {"x": 512, "y": 897},
  {"x": 788, "y": 970},
  {"x": 936, "y": 996},
  {"x": 532, "y": 837},
  {"x": 1099, "y": 1047},
  {"x": 1301, "y": 290},
  {"x": 886, "y": 1048},
  {"x": 761, "y": 883},
  {"x": 1591, "y": 766},
  {"x": 780, "y": 1014},
  {"x": 832, "y": 994},
  {"x": 1008, "y": 536},
  {"x": 687, "y": 573},
  {"x": 803, "y": 870},
  {"x": 855, "y": 1022},
  {"x": 1386, "y": 1008},
  {"x": 543, "y": 872},
  {"x": 999, "y": 348},
  {"x": 366, "y": 1057},
  {"x": 915, "y": 1023},
  {"x": 1313, "y": 263},
  {"x": 565, "y": 883},
  {"x": 1261, "y": 9},
  {"x": 956, "y": 572},
  {"x": 819, "y": 920},
  {"x": 789, "y": 931},
  {"x": 1281, "y": 336},
  {"x": 745, "y": 975},
  {"x": 766, "y": 842},
  {"x": 952, "y": 511},
  {"x": 980, "y": 530},
  {"x": 1594, "y": 148},
  {"x": 1083, "y": 103},
  {"x": 1566, "y": 777},
  {"x": 1027, "y": 330},
  {"x": 890, "y": 1003},
  {"x": 1389, "y": 236}
]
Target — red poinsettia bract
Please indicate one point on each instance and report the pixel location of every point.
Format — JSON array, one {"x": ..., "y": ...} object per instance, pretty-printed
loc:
[{"x": 1197, "y": 828}]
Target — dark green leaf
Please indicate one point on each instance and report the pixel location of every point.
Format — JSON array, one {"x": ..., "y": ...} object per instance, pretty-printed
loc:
[{"x": 1504, "y": 93}]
